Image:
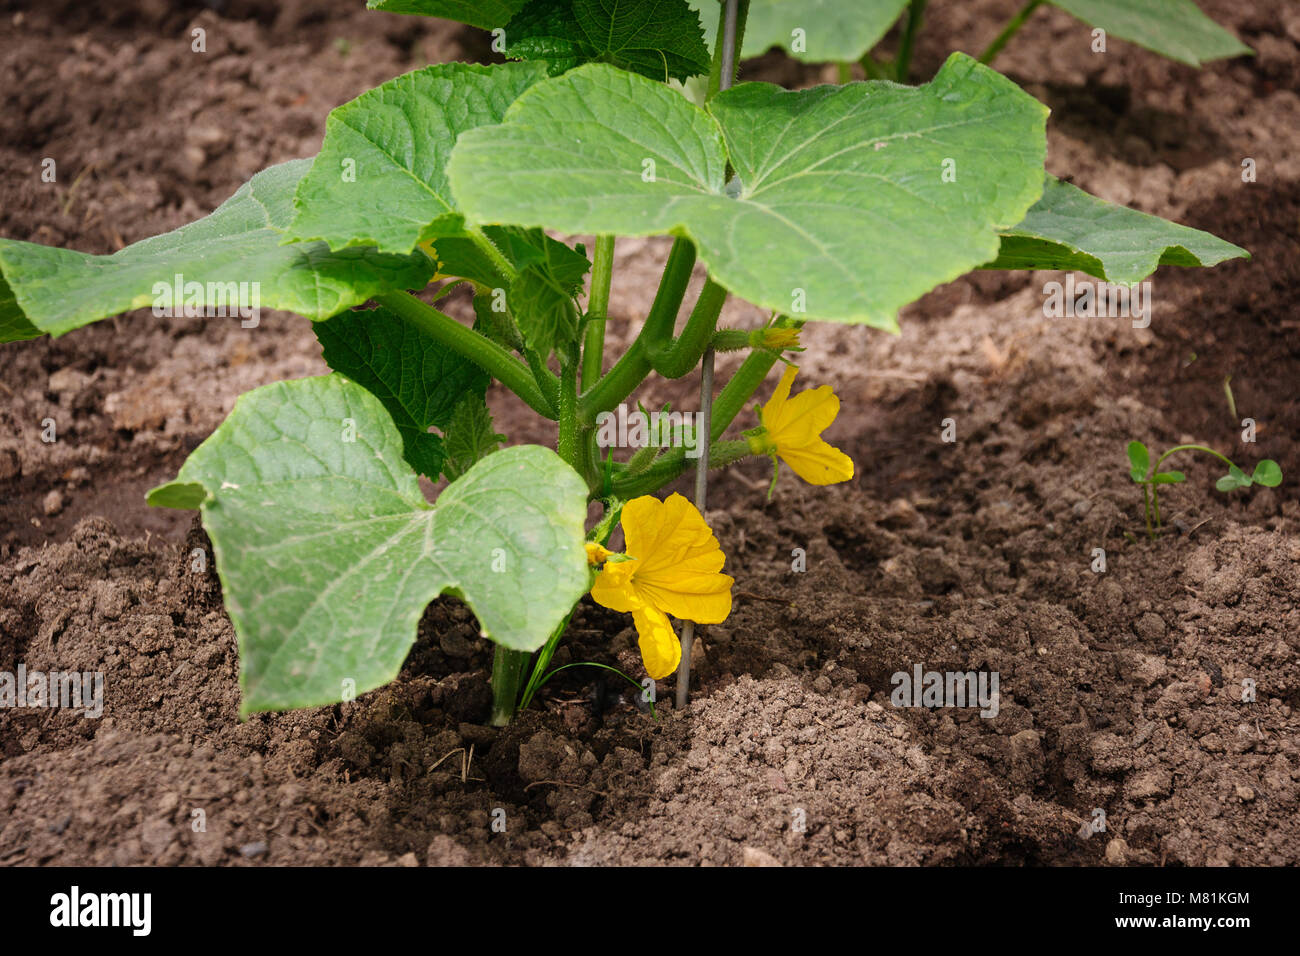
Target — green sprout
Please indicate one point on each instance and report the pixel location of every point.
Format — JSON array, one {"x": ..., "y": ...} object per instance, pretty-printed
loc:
[{"x": 1267, "y": 473}]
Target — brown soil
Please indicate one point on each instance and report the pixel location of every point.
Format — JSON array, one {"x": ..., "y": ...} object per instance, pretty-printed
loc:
[{"x": 1120, "y": 691}]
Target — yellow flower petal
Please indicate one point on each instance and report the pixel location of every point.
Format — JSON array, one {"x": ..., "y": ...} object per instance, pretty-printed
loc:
[
  {"x": 679, "y": 559},
  {"x": 818, "y": 463},
  {"x": 660, "y": 649},
  {"x": 596, "y": 553},
  {"x": 794, "y": 427},
  {"x": 613, "y": 588}
]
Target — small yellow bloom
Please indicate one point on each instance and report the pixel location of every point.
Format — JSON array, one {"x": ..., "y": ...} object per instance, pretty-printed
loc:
[
  {"x": 792, "y": 430},
  {"x": 774, "y": 338},
  {"x": 673, "y": 566},
  {"x": 596, "y": 554}
]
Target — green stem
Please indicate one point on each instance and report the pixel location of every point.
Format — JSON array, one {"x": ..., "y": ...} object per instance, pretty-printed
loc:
[
  {"x": 568, "y": 445},
  {"x": 1155, "y": 489},
  {"x": 495, "y": 255},
  {"x": 479, "y": 349},
  {"x": 739, "y": 390},
  {"x": 874, "y": 70},
  {"x": 508, "y": 668},
  {"x": 1010, "y": 30},
  {"x": 682, "y": 354},
  {"x": 845, "y": 72},
  {"x": 602, "y": 273},
  {"x": 630, "y": 370},
  {"x": 915, "y": 11},
  {"x": 535, "y": 680}
]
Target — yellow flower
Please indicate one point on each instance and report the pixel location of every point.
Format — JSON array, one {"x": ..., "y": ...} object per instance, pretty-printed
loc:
[
  {"x": 596, "y": 553},
  {"x": 673, "y": 566},
  {"x": 775, "y": 338},
  {"x": 792, "y": 430}
]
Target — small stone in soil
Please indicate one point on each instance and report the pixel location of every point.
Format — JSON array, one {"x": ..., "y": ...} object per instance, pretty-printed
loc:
[{"x": 250, "y": 850}]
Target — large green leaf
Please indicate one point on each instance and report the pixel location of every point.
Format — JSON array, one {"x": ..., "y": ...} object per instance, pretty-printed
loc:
[
  {"x": 656, "y": 38},
  {"x": 840, "y": 196},
  {"x": 1070, "y": 229},
  {"x": 477, "y": 13},
  {"x": 418, "y": 380},
  {"x": 380, "y": 177},
  {"x": 58, "y": 290},
  {"x": 328, "y": 553},
  {"x": 814, "y": 31},
  {"x": 1173, "y": 28}
]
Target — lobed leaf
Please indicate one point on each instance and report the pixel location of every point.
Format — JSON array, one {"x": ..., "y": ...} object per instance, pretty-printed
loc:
[
  {"x": 487, "y": 14},
  {"x": 57, "y": 290},
  {"x": 418, "y": 380},
  {"x": 380, "y": 177},
  {"x": 328, "y": 553},
  {"x": 1070, "y": 229},
  {"x": 471, "y": 436},
  {"x": 839, "y": 204},
  {"x": 1173, "y": 28},
  {"x": 660, "y": 39},
  {"x": 839, "y": 30}
]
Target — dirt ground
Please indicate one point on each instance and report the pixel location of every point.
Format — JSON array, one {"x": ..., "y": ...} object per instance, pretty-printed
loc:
[{"x": 1120, "y": 691}]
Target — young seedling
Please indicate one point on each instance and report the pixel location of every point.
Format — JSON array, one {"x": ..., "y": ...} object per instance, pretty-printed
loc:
[
  {"x": 1267, "y": 473},
  {"x": 463, "y": 177}
]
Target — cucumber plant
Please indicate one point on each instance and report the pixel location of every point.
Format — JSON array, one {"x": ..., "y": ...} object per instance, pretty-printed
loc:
[{"x": 836, "y": 204}]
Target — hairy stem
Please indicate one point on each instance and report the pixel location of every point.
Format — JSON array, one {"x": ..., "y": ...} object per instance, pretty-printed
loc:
[
  {"x": 508, "y": 669},
  {"x": 678, "y": 357},
  {"x": 1013, "y": 26},
  {"x": 630, "y": 370},
  {"x": 593, "y": 347},
  {"x": 479, "y": 349}
]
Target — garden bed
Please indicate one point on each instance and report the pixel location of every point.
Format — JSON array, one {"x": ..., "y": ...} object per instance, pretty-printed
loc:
[{"x": 1120, "y": 690}]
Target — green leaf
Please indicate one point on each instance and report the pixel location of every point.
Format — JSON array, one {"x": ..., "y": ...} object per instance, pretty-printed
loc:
[
  {"x": 1173, "y": 28},
  {"x": 839, "y": 205},
  {"x": 541, "y": 297},
  {"x": 58, "y": 290},
  {"x": 660, "y": 39},
  {"x": 487, "y": 14},
  {"x": 380, "y": 178},
  {"x": 418, "y": 380},
  {"x": 328, "y": 553},
  {"x": 1070, "y": 229},
  {"x": 1267, "y": 473},
  {"x": 839, "y": 30},
  {"x": 1234, "y": 479},
  {"x": 1140, "y": 458},
  {"x": 461, "y": 257},
  {"x": 1168, "y": 478},
  {"x": 471, "y": 436},
  {"x": 14, "y": 326}
]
